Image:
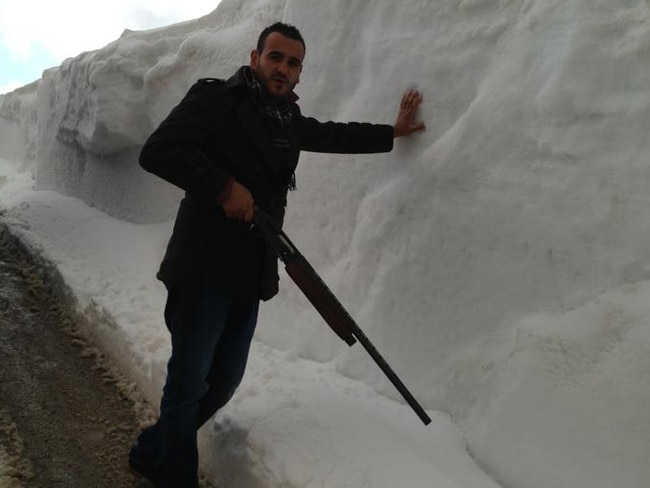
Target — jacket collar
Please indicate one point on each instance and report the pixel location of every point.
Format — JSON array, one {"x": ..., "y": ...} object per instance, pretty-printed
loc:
[{"x": 253, "y": 124}]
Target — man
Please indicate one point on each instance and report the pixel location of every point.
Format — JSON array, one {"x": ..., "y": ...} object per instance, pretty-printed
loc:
[{"x": 233, "y": 147}]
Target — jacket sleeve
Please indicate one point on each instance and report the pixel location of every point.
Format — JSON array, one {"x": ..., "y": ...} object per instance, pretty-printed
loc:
[
  {"x": 344, "y": 138},
  {"x": 176, "y": 150}
]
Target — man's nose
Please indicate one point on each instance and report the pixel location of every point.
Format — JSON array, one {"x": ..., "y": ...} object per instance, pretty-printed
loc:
[{"x": 283, "y": 67}]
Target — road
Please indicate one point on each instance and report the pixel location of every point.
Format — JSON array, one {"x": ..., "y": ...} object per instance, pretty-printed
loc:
[{"x": 66, "y": 418}]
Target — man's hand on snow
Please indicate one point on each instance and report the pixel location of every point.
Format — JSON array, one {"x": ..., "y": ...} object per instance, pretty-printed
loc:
[{"x": 406, "y": 122}]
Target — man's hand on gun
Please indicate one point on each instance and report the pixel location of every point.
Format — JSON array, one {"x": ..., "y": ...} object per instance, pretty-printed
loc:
[{"x": 239, "y": 204}]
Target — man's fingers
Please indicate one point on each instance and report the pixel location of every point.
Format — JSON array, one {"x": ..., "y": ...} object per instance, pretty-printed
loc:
[
  {"x": 248, "y": 214},
  {"x": 419, "y": 127},
  {"x": 406, "y": 122},
  {"x": 411, "y": 98},
  {"x": 240, "y": 204},
  {"x": 240, "y": 213}
]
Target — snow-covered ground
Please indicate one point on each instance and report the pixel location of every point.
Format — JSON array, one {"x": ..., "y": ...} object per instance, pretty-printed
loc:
[{"x": 499, "y": 260}]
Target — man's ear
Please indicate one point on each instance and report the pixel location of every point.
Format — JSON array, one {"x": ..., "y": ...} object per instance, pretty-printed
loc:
[{"x": 255, "y": 57}]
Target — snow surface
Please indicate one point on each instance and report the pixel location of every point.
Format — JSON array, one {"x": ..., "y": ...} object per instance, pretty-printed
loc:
[{"x": 499, "y": 260}]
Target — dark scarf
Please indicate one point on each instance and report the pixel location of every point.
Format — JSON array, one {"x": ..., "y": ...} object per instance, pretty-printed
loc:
[{"x": 277, "y": 115}]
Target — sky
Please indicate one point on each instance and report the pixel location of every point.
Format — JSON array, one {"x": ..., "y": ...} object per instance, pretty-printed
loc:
[{"x": 30, "y": 43}]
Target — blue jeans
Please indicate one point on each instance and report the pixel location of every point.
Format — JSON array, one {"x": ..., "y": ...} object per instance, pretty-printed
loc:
[{"x": 211, "y": 335}]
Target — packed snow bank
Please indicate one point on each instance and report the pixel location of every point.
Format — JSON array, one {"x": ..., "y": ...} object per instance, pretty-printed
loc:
[
  {"x": 294, "y": 422},
  {"x": 586, "y": 371},
  {"x": 499, "y": 260},
  {"x": 18, "y": 124}
]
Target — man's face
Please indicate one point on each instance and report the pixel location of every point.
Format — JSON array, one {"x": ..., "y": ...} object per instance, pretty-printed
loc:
[{"x": 279, "y": 64}]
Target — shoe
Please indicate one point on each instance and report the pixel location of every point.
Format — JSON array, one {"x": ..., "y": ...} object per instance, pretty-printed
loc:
[
  {"x": 142, "y": 456},
  {"x": 144, "y": 470}
]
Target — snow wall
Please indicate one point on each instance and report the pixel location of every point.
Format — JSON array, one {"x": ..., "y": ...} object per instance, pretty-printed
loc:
[{"x": 500, "y": 260}]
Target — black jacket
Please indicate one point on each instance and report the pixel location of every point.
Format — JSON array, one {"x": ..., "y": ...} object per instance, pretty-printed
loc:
[{"x": 215, "y": 133}]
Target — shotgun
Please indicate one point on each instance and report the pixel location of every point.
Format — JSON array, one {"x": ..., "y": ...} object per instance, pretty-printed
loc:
[{"x": 324, "y": 301}]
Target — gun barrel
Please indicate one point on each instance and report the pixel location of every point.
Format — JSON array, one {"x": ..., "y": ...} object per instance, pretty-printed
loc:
[
  {"x": 392, "y": 376},
  {"x": 326, "y": 303}
]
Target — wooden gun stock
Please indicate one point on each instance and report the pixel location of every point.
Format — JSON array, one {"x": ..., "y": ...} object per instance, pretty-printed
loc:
[{"x": 324, "y": 301}]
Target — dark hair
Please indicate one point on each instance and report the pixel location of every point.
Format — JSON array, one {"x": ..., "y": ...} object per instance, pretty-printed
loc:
[{"x": 286, "y": 30}]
